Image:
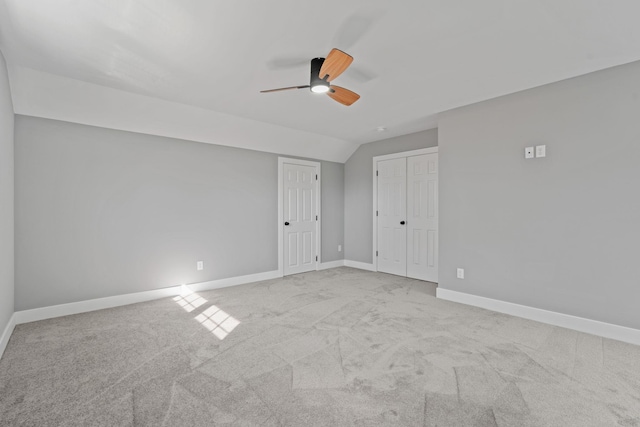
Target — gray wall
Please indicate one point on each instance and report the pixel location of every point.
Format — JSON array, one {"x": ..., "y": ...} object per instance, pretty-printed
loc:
[
  {"x": 559, "y": 233},
  {"x": 332, "y": 210},
  {"x": 6, "y": 199},
  {"x": 101, "y": 212},
  {"x": 358, "y": 179}
]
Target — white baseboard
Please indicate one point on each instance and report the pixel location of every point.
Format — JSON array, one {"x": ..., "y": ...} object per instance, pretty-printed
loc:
[
  {"x": 594, "y": 327},
  {"x": 331, "y": 264},
  {"x": 234, "y": 281},
  {"x": 25, "y": 316},
  {"x": 42, "y": 313},
  {"x": 360, "y": 265},
  {"x": 6, "y": 334}
]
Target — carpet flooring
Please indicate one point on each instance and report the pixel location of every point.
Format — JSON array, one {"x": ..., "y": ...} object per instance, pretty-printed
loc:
[{"x": 339, "y": 347}]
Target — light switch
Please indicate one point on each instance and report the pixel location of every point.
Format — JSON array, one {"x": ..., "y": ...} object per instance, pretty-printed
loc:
[
  {"x": 460, "y": 273},
  {"x": 200, "y": 265},
  {"x": 528, "y": 153},
  {"x": 541, "y": 150}
]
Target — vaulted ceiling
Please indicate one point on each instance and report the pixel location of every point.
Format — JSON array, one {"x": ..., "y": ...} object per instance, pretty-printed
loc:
[{"x": 193, "y": 69}]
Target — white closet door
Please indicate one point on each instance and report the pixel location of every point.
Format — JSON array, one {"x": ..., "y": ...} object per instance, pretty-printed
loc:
[
  {"x": 422, "y": 218},
  {"x": 300, "y": 218},
  {"x": 392, "y": 233}
]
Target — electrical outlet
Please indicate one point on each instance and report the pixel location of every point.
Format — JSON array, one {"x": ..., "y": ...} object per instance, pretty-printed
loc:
[
  {"x": 460, "y": 273},
  {"x": 541, "y": 150},
  {"x": 528, "y": 153},
  {"x": 339, "y": 248},
  {"x": 200, "y": 265}
]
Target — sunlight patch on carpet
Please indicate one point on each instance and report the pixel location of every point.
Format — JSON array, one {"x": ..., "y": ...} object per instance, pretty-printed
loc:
[
  {"x": 217, "y": 321},
  {"x": 189, "y": 301}
]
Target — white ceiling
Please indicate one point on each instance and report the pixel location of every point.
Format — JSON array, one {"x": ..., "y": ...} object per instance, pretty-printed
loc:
[{"x": 210, "y": 58}]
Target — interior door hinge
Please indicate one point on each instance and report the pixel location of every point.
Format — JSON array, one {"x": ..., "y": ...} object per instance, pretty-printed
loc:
[
  {"x": 316, "y": 257},
  {"x": 376, "y": 173},
  {"x": 376, "y": 253},
  {"x": 376, "y": 213},
  {"x": 316, "y": 217},
  {"x": 316, "y": 177}
]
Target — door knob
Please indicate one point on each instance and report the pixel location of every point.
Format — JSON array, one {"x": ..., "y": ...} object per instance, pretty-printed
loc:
[
  {"x": 401, "y": 222},
  {"x": 286, "y": 223}
]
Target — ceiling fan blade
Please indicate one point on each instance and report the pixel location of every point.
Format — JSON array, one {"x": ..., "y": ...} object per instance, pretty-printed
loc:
[
  {"x": 342, "y": 95},
  {"x": 284, "y": 88},
  {"x": 336, "y": 62}
]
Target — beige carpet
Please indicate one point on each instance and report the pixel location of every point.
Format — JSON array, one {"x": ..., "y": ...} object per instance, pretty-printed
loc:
[{"x": 339, "y": 347}]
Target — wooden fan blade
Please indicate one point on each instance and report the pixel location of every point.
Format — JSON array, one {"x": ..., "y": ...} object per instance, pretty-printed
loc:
[
  {"x": 336, "y": 62},
  {"x": 284, "y": 88},
  {"x": 342, "y": 95}
]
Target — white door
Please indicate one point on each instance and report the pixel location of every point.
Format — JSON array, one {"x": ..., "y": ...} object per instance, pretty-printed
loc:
[
  {"x": 422, "y": 218},
  {"x": 299, "y": 198},
  {"x": 392, "y": 234}
]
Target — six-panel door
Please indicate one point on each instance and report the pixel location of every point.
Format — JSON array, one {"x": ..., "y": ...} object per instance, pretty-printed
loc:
[
  {"x": 300, "y": 218},
  {"x": 422, "y": 218},
  {"x": 392, "y": 234}
]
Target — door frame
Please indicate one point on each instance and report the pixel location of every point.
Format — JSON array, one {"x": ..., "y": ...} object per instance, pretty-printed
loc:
[
  {"x": 376, "y": 159},
  {"x": 317, "y": 166}
]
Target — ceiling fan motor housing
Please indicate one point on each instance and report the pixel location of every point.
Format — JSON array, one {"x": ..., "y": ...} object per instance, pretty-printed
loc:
[{"x": 316, "y": 81}]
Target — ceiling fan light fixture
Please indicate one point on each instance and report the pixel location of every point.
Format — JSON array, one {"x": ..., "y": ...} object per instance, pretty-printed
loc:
[{"x": 320, "y": 88}]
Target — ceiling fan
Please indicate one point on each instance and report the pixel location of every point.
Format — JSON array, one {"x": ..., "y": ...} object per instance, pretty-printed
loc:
[{"x": 323, "y": 71}]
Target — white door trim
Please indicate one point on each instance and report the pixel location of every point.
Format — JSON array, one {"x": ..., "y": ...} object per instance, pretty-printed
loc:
[
  {"x": 376, "y": 159},
  {"x": 316, "y": 165}
]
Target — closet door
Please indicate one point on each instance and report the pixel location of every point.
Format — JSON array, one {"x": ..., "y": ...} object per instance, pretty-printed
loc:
[
  {"x": 392, "y": 232},
  {"x": 422, "y": 218}
]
